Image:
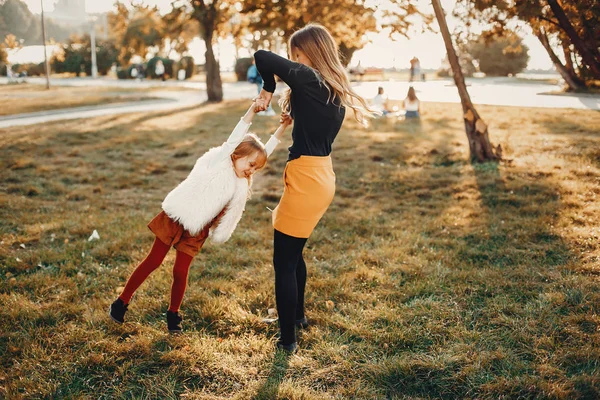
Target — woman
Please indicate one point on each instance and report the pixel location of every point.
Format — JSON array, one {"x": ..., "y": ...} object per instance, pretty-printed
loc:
[
  {"x": 412, "y": 104},
  {"x": 318, "y": 95}
]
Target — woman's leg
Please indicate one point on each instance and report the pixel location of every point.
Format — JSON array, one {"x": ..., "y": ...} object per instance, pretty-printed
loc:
[
  {"x": 151, "y": 262},
  {"x": 180, "y": 278},
  {"x": 301, "y": 282},
  {"x": 287, "y": 252}
]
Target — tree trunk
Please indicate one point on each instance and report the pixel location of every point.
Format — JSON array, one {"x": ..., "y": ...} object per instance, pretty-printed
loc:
[
  {"x": 346, "y": 54},
  {"x": 479, "y": 143},
  {"x": 590, "y": 57},
  {"x": 572, "y": 81},
  {"x": 568, "y": 59},
  {"x": 214, "y": 86}
]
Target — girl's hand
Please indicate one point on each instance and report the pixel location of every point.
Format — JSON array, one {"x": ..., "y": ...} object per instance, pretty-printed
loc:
[
  {"x": 285, "y": 120},
  {"x": 263, "y": 100},
  {"x": 259, "y": 104}
]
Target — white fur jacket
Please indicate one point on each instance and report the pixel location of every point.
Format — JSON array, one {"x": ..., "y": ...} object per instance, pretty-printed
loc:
[{"x": 212, "y": 186}]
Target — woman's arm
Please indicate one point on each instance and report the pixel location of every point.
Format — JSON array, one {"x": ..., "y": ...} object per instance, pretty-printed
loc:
[{"x": 270, "y": 64}]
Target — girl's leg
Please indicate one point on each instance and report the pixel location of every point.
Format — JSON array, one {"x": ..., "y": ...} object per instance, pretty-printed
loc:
[
  {"x": 301, "y": 281},
  {"x": 287, "y": 251},
  {"x": 151, "y": 262},
  {"x": 180, "y": 278}
]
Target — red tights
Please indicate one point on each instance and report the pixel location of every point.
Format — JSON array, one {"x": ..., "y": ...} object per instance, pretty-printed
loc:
[{"x": 152, "y": 262}]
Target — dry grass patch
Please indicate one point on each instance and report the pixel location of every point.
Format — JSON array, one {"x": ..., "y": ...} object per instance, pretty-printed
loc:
[
  {"x": 26, "y": 98},
  {"x": 429, "y": 277}
]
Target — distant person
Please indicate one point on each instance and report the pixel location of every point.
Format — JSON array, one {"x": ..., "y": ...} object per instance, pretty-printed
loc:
[
  {"x": 159, "y": 70},
  {"x": 9, "y": 73},
  {"x": 254, "y": 77},
  {"x": 208, "y": 203},
  {"x": 360, "y": 71},
  {"x": 380, "y": 102},
  {"x": 415, "y": 69},
  {"x": 412, "y": 104}
]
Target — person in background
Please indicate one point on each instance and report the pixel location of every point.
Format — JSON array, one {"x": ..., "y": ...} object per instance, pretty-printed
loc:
[
  {"x": 159, "y": 70},
  {"x": 380, "y": 102},
  {"x": 412, "y": 104},
  {"x": 254, "y": 77}
]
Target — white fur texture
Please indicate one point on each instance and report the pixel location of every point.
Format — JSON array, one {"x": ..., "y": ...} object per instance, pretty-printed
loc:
[{"x": 211, "y": 186}]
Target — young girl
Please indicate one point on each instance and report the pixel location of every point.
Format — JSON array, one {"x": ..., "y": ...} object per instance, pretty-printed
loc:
[
  {"x": 412, "y": 104},
  {"x": 318, "y": 97},
  {"x": 208, "y": 203}
]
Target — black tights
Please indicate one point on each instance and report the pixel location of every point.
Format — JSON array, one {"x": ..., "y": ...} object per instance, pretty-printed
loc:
[{"x": 290, "y": 281}]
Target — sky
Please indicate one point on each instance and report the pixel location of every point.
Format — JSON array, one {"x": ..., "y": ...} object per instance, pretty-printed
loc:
[{"x": 380, "y": 52}]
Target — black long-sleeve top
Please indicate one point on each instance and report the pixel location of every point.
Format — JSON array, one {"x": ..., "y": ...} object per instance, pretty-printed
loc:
[{"x": 317, "y": 121}]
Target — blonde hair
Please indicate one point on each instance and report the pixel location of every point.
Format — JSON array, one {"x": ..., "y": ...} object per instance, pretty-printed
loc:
[
  {"x": 412, "y": 95},
  {"x": 319, "y": 46},
  {"x": 249, "y": 145}
]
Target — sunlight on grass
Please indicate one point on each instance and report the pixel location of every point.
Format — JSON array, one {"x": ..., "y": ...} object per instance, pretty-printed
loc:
[{"x": 428, "y": 277}]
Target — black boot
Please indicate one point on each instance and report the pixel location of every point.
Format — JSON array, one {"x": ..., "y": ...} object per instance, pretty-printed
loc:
[
  {"x": 117, "y": 310},
  {"x": 174, "y": 321},
  {"x": 290, "y": 348},
  {"x": 302, "y": 323}
]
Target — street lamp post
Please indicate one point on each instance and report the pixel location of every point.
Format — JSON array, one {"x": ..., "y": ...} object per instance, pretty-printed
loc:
[
  {"x": 93, "y": 43},
  {"x": 44, "y": 43}
]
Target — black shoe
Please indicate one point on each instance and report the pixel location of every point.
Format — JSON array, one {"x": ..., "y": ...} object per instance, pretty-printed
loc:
[
  {"x": 117, "y": 310},
  {"x": 290, "y": 348},
  {"x": 302, "y": 323},
  {"x": 173, "y": 321}
]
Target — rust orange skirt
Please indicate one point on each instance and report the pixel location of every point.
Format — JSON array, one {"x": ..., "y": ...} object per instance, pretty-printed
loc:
[{"x": 309, "y": 186}]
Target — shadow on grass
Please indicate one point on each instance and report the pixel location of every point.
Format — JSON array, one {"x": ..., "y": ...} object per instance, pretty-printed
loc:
[
  {"x": 270, "y": 387},
  {"x": 583, "y": 137},
  {"x": 499, "y": 268}
]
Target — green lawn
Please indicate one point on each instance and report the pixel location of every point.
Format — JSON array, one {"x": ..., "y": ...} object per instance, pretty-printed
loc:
[{"x": 429, "y": 277}]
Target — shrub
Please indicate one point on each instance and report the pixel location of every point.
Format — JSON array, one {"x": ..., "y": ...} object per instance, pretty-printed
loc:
[
  {"x": 151, "y": 67},
  {"x": 500, "y": 56}
]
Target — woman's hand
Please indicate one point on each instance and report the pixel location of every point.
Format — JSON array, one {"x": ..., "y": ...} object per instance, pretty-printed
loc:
[
  {"x": 263, "y": 100},
  {"x": 285, "y": 120}
]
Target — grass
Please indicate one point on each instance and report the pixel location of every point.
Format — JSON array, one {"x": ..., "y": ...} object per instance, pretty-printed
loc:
[
  {"x": 25, "y": 98},
  {"x": 429, "y": 277}
]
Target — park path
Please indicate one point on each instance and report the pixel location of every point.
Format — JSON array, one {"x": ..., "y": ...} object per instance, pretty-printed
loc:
[
  {"x": 490, "y": 91},
  {"x": 168, "y": 100}
]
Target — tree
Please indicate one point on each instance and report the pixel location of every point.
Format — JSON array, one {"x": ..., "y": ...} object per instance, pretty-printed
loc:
[
  {"x": 212, "y": 17},
  {"x": 75, "y": 56},
  {"x": 135, "y": 31},
  {"x": 578, "y": 22},
  {"x": 3, "y": 54},
  {"x": 179, "y": 31},
  {"x": 566, "y": 71},
  {"x": 16, "y": 19},
  {"x": 477, "y": 131},
  {"x": 590, "y": 55},
  {"x": 282, "y": 18},
  {"x": 501, "y": 55}
]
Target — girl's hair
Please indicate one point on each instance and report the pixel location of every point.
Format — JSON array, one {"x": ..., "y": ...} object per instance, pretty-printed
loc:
[
  {"x": 412, "y": 95},
  {"x": 251, "y": 144},
  {"x": 319, "y": 46}
]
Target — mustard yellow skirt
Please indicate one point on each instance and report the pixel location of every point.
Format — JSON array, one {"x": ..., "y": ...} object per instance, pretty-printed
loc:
[{"x": 309, "y": 186}]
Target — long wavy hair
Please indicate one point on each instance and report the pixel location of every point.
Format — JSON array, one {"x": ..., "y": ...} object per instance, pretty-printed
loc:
[{"x": 316, "y": 42}]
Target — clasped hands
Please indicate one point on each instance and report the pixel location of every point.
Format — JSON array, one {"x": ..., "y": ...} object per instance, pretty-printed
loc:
[{"x": 261, "y": 103}]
